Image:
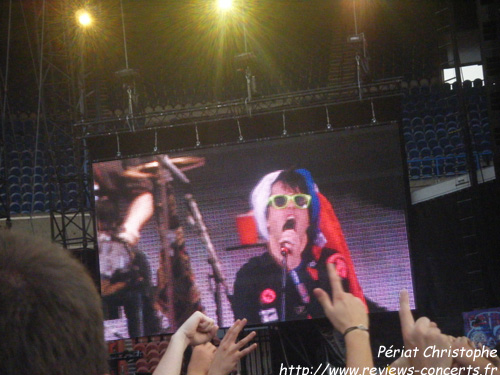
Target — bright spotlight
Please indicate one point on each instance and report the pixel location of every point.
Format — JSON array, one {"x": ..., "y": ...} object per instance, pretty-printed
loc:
[
  {"x": 224, "y": 4},
  {"x": 83, "y": 17}
]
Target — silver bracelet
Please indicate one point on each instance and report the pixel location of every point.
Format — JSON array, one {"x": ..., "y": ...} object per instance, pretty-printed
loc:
[{"x": 360, "y": 326}]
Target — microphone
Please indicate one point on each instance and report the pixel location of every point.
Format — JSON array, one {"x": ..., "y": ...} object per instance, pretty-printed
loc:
[{"x": 285, "y": 245}]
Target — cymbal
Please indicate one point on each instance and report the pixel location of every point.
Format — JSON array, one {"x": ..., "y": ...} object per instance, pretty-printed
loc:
[{"x": 148, "y": 170}]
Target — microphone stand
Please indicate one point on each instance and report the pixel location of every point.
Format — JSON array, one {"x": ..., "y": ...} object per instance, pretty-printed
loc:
[
  {"x": 205, "y": 237},
  {"x": 163, "y": 177},
  {"x": 165, "y": 171},
  {"x": 212, "y": 256},
  {"x": 283, "y": 283}
]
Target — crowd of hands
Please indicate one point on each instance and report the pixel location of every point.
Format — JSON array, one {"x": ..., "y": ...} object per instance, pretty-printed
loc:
[{"x": 344, "y": 311}]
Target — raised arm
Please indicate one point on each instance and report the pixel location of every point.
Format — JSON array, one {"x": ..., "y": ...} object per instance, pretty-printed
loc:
[
  {"x": 421, "y": 334},
  {"x": 198, "y": 329},
  {"x": 348, "y": 315},
  {"x": 230, "y": 351}
]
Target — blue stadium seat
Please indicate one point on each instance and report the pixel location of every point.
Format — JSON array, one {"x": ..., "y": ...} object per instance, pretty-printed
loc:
[
  {"x": 449, "y": 166},
  {"x": 16, "y": 197},
  {"x": 428, "y": 127},
  {"x": 439, "y": 125},
  {"x": 432, "y": 143},
  {"x": 485, "y": 125},
  {"x": 486, "y": 151},
  {"x": 70, "y": 170},
  {"x": 456, "y": 140},
  {"x": 461, "y": 164},
  {"x": 26, "y": 154},
  {"x": 38, "y": 170},
  {"x": 413, "y": 154},
  {"x": 15, "y": 208},
  {"x": 40, "y": 197},
  {"x": 38, "y": 187},
  {"x": 449, "y": 150},
  {"x": 441, "y": 133},
  {"x": 61, "y": 170},
  {"x": 422, "y": 144},
  {"x": 437, "y": 151},
  {"x": 15, "y": 171},
  {"x": 27, "y": 197},
  {"x": 408, "y": 137},
  {"x": 427, "y": 168},
  {"x": 425, "y": 153},
  {"x": 38, "y": 179},
  {"x": 475, "y": 127},
  {"x": 13, "y": 154},
  {"x": 39, "y": 207},
  {"x": 27, "y": 170},
  {"x": 26, "y": 208},
  {"x": 428, "y": 120},
  {"x": 439, "y": 119},
  {"x": 418, "y": 135},
  {"x": 430, "y": 134},
  {"x": 439, "y": 165},
  {"x": 417, "y": 121},
  {"x": 414, "y": 169},
  {"x": 477, "y": 139},
  {"x": 14, "y": 180},
  {"x": 26, "y": 188}
]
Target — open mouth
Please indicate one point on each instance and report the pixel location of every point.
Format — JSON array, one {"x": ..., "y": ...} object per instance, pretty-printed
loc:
[{"x": 289, "y": 223}]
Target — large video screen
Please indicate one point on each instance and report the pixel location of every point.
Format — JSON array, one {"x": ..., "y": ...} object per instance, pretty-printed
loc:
[{"x": 247, "y": 230}]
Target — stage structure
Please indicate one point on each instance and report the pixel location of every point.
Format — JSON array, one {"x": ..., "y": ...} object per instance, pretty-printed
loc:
[{"x": 223, "y": 123}]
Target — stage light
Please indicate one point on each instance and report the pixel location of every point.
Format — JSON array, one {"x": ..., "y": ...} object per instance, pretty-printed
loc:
[
  {"x": 224, "y": 5},
  {"x": 83, "y": 17}
]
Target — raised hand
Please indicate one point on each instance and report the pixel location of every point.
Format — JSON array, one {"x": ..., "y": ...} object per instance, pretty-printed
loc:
[
  {"x": 198, "y": 329},
  {"x": 420, "y": 335},
  {"x": 230, "y": 351},
  {"x": 343, "y": 310},
  {"x": 347, "y": 313},
  {"x": 201, "y": 359}
]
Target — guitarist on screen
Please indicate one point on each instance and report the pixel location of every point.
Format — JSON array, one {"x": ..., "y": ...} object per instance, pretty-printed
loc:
[{"x": 125, "y": 202}]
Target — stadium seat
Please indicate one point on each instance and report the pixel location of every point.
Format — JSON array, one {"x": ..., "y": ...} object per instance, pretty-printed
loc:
[
  {"x": 26, "y": 188},
  {"x": 426, "y": 170},
  {"x": 430, "y": 134},
  {"x": 15, "y": 208},
  {"x": 437, "y": 151},
  {"x": 428, "y": 127},
  {"x": 439, "y": 165},
  {"x": 39, "y": 207},
  {"x": 15, "y": 171},
  {"x": 413, "y": 154},
  {"x": 40, "y": 197},
  {"x": 414, "y": 169},
  {"x": 16, "y": 197},
  {"x": 14, "y": 180},
  {"x": 418, "y": 135},
  {"x": 408, "y": 137},
  {"x": 425, "y": 152},
  {"x": 486, "y": 152},
  {"x": 26, "y": 208},
  {"x": 432, "y": 143}
]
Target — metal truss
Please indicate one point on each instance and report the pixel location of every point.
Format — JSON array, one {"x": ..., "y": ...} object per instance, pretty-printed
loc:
[{"x": 237, "y": 109}]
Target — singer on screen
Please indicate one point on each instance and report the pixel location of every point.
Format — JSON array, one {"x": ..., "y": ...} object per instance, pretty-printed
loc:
[{"x": 303, "y": 234}]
